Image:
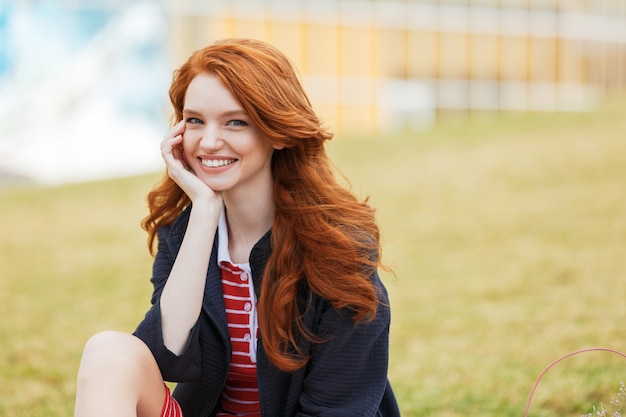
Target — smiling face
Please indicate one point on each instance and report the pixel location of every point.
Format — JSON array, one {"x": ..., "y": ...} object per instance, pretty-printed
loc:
[{"x": 221, "y": 144}]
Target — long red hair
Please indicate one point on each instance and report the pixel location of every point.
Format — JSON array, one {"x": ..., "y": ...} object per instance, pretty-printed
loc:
[{"x": 321, "y": 234}]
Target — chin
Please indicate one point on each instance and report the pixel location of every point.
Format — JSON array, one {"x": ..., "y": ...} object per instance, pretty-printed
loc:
[{"x": 217, "y": 187}]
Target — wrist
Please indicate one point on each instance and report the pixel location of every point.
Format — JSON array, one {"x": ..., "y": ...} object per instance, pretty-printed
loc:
[{"x": 207, "y": 208}]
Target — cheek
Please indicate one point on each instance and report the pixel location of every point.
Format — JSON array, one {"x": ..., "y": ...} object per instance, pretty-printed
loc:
[
  {"x": 189, "y": 140},
  {"x": 188, "y": 145}
]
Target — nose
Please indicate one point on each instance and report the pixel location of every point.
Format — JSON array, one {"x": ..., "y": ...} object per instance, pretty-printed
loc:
[{"x": 211, "y": 138}]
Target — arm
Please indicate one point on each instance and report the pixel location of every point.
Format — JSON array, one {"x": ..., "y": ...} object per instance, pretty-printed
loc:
[
  {"x": 173, "y": 367},
  {"x": 179, "y": 279},
  {"x": 181, "y": 300}
]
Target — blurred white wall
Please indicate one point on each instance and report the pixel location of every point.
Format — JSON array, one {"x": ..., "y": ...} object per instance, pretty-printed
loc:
[{"x": 83, "y": 90}]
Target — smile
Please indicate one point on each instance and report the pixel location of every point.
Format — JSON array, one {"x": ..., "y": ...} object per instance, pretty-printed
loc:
[{"x": 216, "y": 163}]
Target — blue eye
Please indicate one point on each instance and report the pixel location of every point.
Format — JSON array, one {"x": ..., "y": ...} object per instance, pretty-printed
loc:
[
  {"x": 237, "y": 123},
  {"x": 193, "y": 120}
]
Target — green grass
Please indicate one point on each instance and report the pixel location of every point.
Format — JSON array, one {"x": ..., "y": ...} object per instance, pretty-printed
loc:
[{"x": 507, "y": 238}]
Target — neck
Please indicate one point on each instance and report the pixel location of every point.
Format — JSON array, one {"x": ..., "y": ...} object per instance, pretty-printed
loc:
[{"x": 247, "y": 223}]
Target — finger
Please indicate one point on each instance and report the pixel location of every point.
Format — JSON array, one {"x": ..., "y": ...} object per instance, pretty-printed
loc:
[
  {"x": 179, "y": 154},
  {"x": 169, "y": 146},
  {"x": 176, "y": 130}
]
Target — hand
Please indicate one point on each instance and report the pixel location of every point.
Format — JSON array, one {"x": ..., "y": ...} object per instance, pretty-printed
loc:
[{"x": 179, "y": 170}]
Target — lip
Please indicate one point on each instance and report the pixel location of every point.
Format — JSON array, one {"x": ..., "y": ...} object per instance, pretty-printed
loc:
[{"x": 216, "y": 164}]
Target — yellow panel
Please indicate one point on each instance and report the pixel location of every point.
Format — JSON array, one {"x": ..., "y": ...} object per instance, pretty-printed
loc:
[
  {"x": 320, "y": 49},
  {"x": 542, "y": 59},
  {"x": 453, "y": 55},
  {"x": 248, "y": 28},
  {"x": 287, "y": 36},
  {"x": 422, "y": 54},
  {"x": 390, "y": 53},
  {"x": 219, "y": 27},
  {"x": 614, "y": 67},
  {"x": 484, "y": 56},
  {"x": 570, "y": 62},
  {"x": 188, "y": 34},
  {"x": 513, "y": 58},
  {"x": 355, "y": 51}
]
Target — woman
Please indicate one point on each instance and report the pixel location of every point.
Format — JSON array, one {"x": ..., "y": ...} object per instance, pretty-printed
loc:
[{"x": 266, "y": 300}]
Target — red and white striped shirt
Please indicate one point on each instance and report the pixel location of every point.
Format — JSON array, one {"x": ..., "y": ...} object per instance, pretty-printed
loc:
[{"x": 240, "y": 396}]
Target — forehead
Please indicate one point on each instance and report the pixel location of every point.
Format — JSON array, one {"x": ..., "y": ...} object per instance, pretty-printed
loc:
[{"x": 207, "y": 91}]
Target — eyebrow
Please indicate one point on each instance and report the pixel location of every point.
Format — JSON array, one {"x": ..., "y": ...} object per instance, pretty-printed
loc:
[{"x": 230, "y": 113}]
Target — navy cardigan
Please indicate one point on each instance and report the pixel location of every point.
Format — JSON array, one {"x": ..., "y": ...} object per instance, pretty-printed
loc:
[{"x": 346, "y": 375}]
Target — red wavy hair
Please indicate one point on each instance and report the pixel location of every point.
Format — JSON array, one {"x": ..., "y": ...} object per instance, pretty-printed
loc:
[{"x": 321, "y": 234}]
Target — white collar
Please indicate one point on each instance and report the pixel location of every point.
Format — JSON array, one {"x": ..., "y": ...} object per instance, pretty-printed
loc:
[{"x": 223, "y": 255}]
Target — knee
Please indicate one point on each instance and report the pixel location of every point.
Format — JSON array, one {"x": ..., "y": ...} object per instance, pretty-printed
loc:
[{"x": 111, "y": 352}]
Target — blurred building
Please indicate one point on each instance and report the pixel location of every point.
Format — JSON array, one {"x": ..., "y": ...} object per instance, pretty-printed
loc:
[
  {"x": 83, "y": 84},
  {"x": 378, "y": 65}
]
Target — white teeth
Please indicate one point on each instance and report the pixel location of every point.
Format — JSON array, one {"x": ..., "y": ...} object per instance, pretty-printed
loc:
[{"x": 215, "y": 163}]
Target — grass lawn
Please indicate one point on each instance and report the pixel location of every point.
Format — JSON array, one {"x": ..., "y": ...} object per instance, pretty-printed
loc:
[{"x": 507, "y": 239}]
